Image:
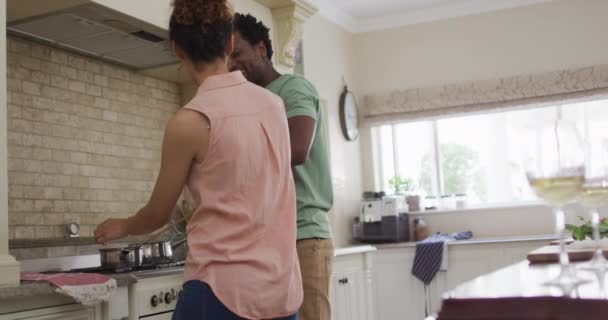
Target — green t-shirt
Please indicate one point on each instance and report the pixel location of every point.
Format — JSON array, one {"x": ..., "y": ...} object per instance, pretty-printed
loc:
[{"x": 313, "y": 180}]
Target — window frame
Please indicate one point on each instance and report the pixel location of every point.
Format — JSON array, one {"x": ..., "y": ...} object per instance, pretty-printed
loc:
[{"x": 438, "y": 186}]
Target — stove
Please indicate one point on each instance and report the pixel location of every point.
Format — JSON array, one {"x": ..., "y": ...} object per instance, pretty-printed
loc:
[
  {"x": 156, "y": 266},
  {"x": 154, "y": 295}
]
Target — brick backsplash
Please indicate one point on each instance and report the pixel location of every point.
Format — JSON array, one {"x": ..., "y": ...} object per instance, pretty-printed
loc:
[{"x": 84, "y": 139}]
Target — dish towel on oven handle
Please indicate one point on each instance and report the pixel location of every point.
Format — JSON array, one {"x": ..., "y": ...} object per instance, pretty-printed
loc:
[
  {"x": 429, "y": 253},
  {"x": 86, "y": 288}
]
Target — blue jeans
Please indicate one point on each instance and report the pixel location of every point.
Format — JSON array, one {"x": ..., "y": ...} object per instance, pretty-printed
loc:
[{"x": 198, "y": 302}]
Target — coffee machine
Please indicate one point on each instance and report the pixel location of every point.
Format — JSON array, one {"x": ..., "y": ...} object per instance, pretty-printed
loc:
[{"x": 382, "y": 219}]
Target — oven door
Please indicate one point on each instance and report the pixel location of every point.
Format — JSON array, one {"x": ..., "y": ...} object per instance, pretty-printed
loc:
[{"x": 162, "y": 316}]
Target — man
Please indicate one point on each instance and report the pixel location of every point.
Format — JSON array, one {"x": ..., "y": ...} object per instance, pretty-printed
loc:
[{"x": 310, "y": 166}]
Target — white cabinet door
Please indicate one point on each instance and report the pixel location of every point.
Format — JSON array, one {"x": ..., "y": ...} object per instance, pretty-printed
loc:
[
  {"x": 368, "y": 292},
  {"x": 338, "y": 298},
  {"x": 398, "y": 294},
  {"x": 348, "y": 299},
  {"x": 351, "y": 284},
  {"x": 516, "y": 252},
  {"x": 467, "y": 262},
  {"x": 435, "y": 291},
  {"x": 356, "y": 294}
]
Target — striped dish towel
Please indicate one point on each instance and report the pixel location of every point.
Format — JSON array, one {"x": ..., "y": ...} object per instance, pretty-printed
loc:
[{"x": 429, "y": 253}]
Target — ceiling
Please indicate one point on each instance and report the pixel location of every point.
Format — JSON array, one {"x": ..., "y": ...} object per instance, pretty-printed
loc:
[{"x": 368, "y": 15}]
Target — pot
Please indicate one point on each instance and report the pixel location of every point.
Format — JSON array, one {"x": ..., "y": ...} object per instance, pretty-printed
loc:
[
  {"x": 120, "y": 258},
  {"x": 156, "y": 252}
]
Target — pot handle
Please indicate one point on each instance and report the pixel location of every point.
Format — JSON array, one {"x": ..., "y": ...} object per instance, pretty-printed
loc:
[
  {"x": 176, "y": 244},
  {"x": 160, "y": 231}
]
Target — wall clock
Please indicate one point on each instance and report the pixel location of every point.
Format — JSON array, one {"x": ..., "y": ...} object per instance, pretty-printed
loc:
[{"x": 349, "y": 115}]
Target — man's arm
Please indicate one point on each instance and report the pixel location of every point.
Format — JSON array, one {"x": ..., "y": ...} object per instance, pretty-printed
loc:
[
  {"x": 301, "y": 133},
  {"x": 301, "y": 103}
]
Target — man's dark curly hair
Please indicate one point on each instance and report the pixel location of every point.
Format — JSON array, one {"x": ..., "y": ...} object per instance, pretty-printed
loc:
[{"x": 253, "y": 31}]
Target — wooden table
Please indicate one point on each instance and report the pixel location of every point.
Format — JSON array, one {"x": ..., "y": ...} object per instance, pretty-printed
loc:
[{"x": 516, "y": 292}]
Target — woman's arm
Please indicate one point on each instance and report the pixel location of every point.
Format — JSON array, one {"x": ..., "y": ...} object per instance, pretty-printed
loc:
[{"x": 186, "y": 138}]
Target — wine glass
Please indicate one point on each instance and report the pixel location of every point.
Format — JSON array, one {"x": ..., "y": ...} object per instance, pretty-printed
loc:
[
  {"x": 555, "y": 171},
  {"x": 594, "y": 195}
]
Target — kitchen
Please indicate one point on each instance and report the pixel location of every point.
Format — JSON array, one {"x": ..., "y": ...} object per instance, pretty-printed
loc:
[{"x": 83, "y": 134}]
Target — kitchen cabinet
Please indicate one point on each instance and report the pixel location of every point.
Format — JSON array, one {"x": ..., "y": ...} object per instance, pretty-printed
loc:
[
  {"x": 467, "y": 262},
  {"x": 347, "y": 293},
  {"x": 351, "y": 286},
  {"x": 69, "y": 312},
  {"x": 434, "y": 292},
  {"x": 398, "y": 295}
]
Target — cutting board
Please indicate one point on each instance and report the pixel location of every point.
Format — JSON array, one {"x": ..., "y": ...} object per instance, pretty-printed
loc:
[{"x": 549, "y": 254}]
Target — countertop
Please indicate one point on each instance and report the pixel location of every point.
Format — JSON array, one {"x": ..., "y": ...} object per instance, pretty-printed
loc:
[
  {"x": 125, "y": 279},
  {"x": 547, "y": 238},
  {"x": 353, "y": 250},
  {"x": 363, "y": 248},
  {"x": 36, "y": 243},
  {"x": 31, "y": 289},
  {"x": 26, "y": 289},
  {"x": 517, "y": 292}
]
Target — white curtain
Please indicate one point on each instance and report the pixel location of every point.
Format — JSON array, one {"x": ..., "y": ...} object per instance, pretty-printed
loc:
[{"x": 524, "y": 91}]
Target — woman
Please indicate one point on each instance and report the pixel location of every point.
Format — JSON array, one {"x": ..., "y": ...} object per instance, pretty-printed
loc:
[{"x": 230, "y": 146}]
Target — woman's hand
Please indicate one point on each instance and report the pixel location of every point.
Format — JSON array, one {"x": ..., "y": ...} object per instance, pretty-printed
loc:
[{"x": 111, "y": 229}]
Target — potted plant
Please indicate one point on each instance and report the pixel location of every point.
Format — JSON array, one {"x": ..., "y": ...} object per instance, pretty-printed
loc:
[
  {"x": 406, "y": 186},
  {"x": 401, "y": 185},
  {"x": 584, "y": 230}
]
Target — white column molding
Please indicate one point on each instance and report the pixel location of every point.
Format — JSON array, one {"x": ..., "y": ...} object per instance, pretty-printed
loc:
[
  {"x": 9, "y": 267},
  {"x": 288, "y": 18}
]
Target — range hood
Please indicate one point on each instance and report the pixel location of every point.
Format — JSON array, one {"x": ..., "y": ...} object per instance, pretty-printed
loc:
[{"x": 100, "y": 32}]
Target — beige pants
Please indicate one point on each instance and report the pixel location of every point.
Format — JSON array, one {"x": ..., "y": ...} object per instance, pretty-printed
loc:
[{"x": 315, "y": 262}]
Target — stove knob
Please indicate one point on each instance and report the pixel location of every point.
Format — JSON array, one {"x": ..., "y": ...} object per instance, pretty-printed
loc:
[
  {"x": 169, "y": 297},
  {"x": 154, "y": 301}
]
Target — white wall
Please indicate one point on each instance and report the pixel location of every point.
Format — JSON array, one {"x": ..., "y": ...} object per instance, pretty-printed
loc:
[
  {"x": 497, "y": 222},
  {"x": 523, "y": 220},
  {"x": 254, "y": 8},
  {"x": 551, "y": 36},
  {"x": 328, "y": 57},
  {"x": 556, "y": 35}
]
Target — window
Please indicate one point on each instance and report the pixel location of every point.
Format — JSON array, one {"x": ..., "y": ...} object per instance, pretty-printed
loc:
[
  {"x": 481, "y": 156},
  {"x": 404, "y": 150}
]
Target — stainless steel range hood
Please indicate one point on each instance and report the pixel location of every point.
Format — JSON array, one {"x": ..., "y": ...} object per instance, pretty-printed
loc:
[{"x": 98, "y": 31}]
